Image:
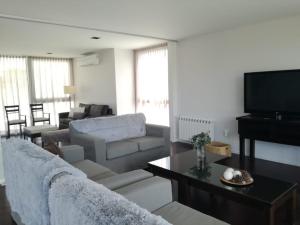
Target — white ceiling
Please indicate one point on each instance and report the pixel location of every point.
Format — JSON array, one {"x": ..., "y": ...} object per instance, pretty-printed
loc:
[
  {"x": 36, "y": 39},
  {"x": 165, "y": 19},
  {"x": 170, "y": 19}
]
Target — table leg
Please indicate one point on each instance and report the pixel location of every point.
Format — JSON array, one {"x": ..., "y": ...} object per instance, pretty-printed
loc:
[
  {"x": 270, "y": 220},
  {"x": 294, "y": 206},
  {"x": 8, "y": 131},
  {"x": 252, "y": 149},
  {"x": 242, "y": 152},
  {"x": 20, "y": 128},
  {"x": 183, "y": 191},
  {"x": 242, "y": 148},
  {"x": 292, "y": 209}
]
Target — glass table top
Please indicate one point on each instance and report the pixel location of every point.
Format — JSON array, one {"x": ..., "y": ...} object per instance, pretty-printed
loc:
[{"x": 264, "y": 189}]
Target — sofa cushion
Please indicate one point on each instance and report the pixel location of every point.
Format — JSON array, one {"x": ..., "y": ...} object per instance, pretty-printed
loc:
[
  {"x": 150, "y": 194},
  {"x": 98, "y": 110},
  {"x": 78, "y": 115},
  {"x": 76, "y": 110},
  {"x": 87, "y": 107},
  {"x": 178, "y": 214},
  {"x": 114, "y": 128},
  {"x": 93, "y": 170},
  {"x": 123, "y": 179},
  {"x": 120, "y": 148},
  {"x": 148, "y": 142},
  {"x": 81, "y": 201},
  {"x": 95, "y": 110}
]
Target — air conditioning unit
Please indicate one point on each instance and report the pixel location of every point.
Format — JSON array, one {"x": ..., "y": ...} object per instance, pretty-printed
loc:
[{"x": 89, "y": 60}]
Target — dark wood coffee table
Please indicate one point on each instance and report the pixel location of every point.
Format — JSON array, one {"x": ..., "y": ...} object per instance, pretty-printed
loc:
[{"x": 265, "y": 193}]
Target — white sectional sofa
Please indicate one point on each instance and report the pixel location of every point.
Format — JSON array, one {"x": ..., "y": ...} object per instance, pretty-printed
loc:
[{"x": 44, "y": 189}]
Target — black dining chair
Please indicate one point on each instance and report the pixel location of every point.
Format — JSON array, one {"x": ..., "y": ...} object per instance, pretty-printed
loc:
[
  {"x": 18, "y": 119},
  {"x": 38, "y": 115}
]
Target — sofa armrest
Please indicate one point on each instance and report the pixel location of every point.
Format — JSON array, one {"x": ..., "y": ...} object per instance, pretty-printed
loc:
[
  {"x": 110, "y": 111},
  {"x": 94, "y": 147},
  {"x": 56, "y": 136},
  {"x": 63, "y": 115},
  {"x": 158, "y": 131},
  {"x": 151, "y": 193},
  {"x": 73, "y": 153}
]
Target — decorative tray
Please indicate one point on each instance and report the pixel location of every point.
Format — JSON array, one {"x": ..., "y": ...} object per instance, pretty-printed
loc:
[{"x": 243, "y": 180}]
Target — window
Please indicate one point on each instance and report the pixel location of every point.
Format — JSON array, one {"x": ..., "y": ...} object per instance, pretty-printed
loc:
[
  {"x": 152, "y": 95},
  {"x": 25, "y": 80},
  {"x": 13, "y": 86},
  {"x": 49, "y": 76}
]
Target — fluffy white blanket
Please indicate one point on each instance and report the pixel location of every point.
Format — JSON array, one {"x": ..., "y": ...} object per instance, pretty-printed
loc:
[
  {"x": 113, "y": 128},
  {"x": 28, "y": 171},
  {"x": 77, "y": 201}
]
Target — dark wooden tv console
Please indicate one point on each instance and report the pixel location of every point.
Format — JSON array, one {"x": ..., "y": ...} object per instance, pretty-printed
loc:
[{"x": 267, "y": 129}]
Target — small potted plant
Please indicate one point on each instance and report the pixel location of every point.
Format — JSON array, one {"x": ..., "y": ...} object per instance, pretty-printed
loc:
[{"x": 199, "y": 141}]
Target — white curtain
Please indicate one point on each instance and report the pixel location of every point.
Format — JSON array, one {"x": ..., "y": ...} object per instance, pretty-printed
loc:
[
  {"x": 13, "y": 87},
  {"x": 152, "y": 96},
  {"x": 25, "y": 80},
  {"x": 49, "y": 76}
]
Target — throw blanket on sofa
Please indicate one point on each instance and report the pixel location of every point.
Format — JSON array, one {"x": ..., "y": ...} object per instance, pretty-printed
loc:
[
  {"x": 28, "y": 171},
  {"x": 113, "y": 128},
  {"x": 78, "y": 201}
]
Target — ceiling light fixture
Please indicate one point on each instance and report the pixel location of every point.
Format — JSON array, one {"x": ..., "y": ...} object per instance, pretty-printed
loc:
[{"x": 95, "y": 37}]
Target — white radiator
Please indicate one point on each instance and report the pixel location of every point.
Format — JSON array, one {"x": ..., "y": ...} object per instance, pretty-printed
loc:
[{"x": 189, "y": 126}]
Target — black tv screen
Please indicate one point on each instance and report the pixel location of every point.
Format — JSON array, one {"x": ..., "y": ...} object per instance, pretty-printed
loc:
[{"x": 272, "y": 91}]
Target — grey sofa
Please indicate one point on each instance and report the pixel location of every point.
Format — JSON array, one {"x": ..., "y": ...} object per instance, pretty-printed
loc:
[
  {"x": 90, "y": 110},
  {"x": 127, "y": 153},
  {"x": 147, "y": 191}
]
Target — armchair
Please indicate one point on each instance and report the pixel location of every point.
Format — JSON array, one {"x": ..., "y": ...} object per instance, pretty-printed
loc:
[
  {"x": 38, "y": 115},
  {"x": 19, "y": 120}
]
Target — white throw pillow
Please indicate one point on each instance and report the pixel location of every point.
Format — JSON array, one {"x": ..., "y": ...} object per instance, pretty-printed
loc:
[{"x": 76, "y": 110}]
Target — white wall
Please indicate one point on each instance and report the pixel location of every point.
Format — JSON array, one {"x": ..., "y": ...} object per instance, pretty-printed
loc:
[
  {"x": 210, "y": 75},
  {"x": 173, "y": 98},
  {"x": 125, "y": 82},
  {"x": 1, "y": 165},
  {"x": 96, "y": 84}
]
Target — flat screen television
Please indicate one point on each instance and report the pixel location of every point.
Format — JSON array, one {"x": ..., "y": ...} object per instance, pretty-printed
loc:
[{"x": 272, "y": 92}]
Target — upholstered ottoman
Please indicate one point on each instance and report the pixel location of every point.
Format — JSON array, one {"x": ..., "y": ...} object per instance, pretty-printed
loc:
[{"x": 36, "y": 131}]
